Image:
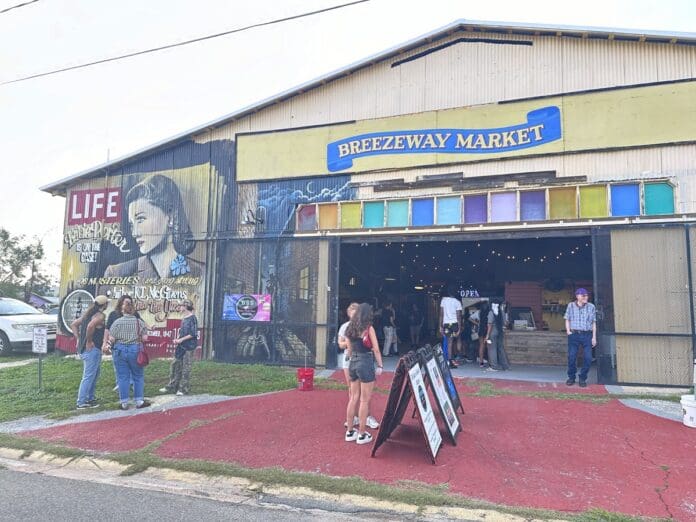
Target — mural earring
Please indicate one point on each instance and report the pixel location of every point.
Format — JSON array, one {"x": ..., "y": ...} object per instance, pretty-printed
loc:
[{"x": 179, "y": 266}]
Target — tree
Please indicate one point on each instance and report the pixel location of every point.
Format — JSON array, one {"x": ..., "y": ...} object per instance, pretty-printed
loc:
[{"x": 19, "y": 260}]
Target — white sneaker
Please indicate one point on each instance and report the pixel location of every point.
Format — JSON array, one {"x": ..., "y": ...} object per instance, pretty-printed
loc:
[
  {"x": 164, "y": 390},
  {"x": 372, "y": 422},
  {"x": 356, "y": 422},
  {"x": 365, "y": 438},
  {"x": 351, "y": 435},
  {"x": 179, "y": 393}
]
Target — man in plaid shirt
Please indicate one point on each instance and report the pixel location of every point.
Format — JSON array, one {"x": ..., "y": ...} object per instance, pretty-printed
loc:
[{"x": 581, "y": 327}]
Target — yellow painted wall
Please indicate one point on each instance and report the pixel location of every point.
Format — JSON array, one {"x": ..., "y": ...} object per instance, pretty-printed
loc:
[{"x": 618, "y": 118}]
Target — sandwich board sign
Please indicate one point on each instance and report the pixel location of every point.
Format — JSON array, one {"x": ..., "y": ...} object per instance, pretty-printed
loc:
[
  {"x": 408, "y": 384},
  {"x": 447, "y": 411}
]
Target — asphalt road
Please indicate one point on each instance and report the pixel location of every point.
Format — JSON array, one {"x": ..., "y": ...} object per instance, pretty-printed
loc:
[{"x": 36, "y": 497}]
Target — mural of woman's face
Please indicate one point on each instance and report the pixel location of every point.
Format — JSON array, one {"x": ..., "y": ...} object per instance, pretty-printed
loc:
[{"x": 149, "y": 225}]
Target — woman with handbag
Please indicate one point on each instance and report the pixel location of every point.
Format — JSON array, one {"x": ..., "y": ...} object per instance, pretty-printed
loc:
[
  {"x": 126, "y": 337},
  {"x": 364, "y": 349}
]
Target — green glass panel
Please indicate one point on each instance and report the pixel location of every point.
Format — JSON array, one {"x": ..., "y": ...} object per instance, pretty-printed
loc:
[
  {"x": 562, "y": 203},
  {"x": 350, "y": 215},
  {"x": 659, "y": 199},
  {"x": 373, "y": 214},
  {"x": 397, "y": 213},
  {"x": 593, "y": 201}
]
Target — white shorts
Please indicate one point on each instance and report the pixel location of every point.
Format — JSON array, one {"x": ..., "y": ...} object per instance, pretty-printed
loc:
[{"x": 343, "y": 361}]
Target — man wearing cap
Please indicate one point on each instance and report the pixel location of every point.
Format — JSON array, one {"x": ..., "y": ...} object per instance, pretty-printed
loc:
[
  {"x": 581, "y": 327},
  {"x": 186, "y": 343},
  {"x": 89, "y": 334}
]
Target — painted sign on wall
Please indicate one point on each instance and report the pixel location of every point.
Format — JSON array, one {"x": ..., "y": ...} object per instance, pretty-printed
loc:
[{"x": 541, "y": 126}]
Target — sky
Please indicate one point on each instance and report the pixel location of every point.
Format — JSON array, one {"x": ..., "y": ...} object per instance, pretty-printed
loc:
[{"x": 59, "y": 125}]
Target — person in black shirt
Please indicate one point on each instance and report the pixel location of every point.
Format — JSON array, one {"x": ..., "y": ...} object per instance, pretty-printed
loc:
[
  {"x": 415, "y": 324},
  {"x": 186, "y": 343}
]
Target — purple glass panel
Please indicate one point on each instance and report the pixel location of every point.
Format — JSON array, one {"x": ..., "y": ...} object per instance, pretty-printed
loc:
[
  {"x": 533, "y": 205},
  {"x": 503, "y": 207},
  {"x": 475, "y": 209}
]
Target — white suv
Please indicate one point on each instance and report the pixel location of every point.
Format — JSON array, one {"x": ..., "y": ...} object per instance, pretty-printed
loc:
[{"x": 17, "y": 322}]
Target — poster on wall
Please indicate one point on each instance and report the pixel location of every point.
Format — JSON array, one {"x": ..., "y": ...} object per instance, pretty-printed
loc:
[
  {"x": 247, "y": 307},
  {"x": 135, "y": 235}
]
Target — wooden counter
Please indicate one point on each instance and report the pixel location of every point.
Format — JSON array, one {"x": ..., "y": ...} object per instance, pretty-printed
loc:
[{"x": 537, "y": 347}]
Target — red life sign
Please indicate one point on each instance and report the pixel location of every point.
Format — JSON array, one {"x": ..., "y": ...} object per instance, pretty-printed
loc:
[{"x": 87, "y": 206}]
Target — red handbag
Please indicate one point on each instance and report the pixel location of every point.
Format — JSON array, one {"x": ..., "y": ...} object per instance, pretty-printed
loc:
[
  {"x": 143, "y": 358},
  {"x": 367, "y": 342}
]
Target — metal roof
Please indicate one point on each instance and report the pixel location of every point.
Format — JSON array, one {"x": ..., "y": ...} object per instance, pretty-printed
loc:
[{"x": 667, "y": 37}]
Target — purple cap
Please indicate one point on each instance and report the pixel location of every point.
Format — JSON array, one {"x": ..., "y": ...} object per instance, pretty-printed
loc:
[{"x": 581, "y": 291}]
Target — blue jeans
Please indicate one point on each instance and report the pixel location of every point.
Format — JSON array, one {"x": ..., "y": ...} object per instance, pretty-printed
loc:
[
  {"x": 91, "y": 369},
  {"x": 575, "y": 340},
  {"x": 127, "y": 370}
]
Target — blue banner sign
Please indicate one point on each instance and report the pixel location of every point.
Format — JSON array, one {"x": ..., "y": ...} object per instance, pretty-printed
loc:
[{"x": 542, "y": 126}]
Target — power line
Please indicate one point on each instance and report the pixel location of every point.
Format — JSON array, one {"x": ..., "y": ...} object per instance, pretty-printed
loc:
[
  {"x": 179, "y": 44},
  {"x": 18, "y": 6}
]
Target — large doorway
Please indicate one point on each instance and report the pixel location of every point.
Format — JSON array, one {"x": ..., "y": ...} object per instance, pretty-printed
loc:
[{"x": 536, "y": 276}]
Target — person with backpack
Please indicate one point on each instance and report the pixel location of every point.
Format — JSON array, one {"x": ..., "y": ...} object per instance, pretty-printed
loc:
[
  {"x": 186, "y": 343},
  {"x": 89, "y": 333}
]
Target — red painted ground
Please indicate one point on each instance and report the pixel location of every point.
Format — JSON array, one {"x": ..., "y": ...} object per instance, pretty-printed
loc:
[{"x": 546, "y": 453}]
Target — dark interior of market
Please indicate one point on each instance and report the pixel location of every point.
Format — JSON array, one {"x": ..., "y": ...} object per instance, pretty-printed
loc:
[{"x": 537, "y": 275}]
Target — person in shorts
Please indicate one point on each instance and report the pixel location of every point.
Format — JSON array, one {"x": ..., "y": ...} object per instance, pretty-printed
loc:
[
  {"x": 364, "y": 351},
  {"x": 344, "y": 362},
  {"x": 450, "y": 322}
]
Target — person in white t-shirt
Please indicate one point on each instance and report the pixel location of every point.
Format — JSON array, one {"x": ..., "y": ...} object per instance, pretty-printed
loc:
[
  {"x": 450, "y": 322},
  {"x": 344, "y": 361}
]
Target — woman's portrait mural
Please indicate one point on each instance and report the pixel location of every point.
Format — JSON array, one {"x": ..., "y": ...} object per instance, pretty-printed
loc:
[{"x": 142, "y": 231}]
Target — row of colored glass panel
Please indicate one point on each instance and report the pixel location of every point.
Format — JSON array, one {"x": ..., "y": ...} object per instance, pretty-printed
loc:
[{"x": 563, "y": 203}]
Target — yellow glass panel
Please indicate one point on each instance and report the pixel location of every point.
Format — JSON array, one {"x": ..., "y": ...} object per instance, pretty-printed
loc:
[
  {"x": 593, "y": 201},
  {"x": 563, "y": 203},
  {"x": 350, "y": 215},
  {"x": 328, "y": 216}
]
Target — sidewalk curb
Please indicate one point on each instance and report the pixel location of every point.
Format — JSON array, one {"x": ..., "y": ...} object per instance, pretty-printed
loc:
[{"x": 233, "y": 489}]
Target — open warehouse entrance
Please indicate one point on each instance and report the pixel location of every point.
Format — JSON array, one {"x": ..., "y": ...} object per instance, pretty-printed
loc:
[{"x": 535, "y": 275}]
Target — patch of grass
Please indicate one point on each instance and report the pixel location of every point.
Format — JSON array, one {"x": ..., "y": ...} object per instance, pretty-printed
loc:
[
  {"x": 30, "y": 445},
  {"x": 20, "y": 396},
  {"x": 487, "y": 389}
]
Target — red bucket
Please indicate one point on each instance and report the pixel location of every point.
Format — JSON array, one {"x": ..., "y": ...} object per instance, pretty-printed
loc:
[{"x": 305, "y": 379}]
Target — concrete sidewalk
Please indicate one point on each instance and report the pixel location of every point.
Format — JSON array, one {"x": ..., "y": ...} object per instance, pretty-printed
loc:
[{"x": 533, "y": 444}]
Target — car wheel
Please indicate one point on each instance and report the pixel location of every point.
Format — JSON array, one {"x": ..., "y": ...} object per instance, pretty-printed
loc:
[{"x": 5, "y": 346}]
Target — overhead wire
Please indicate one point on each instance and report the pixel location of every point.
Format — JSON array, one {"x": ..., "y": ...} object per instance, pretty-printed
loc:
[
  {"x": 179, "y": 44},
  {"x": 18, "y": 6}
]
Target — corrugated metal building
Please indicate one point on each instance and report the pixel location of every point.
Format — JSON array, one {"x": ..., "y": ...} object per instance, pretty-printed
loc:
[{"x": 516, "y": 160}]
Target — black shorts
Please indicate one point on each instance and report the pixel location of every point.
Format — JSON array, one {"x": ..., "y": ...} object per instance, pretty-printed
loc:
[
  {"x": 451, "y": 329},
  {"x": 362, "y": 367}
]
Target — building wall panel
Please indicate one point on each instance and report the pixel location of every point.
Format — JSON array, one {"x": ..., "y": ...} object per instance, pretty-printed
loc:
[
  {"x": 654, "y": 360},
  {"x": 650, "y": 284}
]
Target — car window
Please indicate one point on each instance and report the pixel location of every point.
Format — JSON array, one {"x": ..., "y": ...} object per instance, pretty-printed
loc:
[{"x": 14, "y": 307}]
